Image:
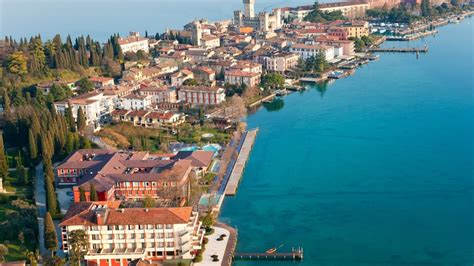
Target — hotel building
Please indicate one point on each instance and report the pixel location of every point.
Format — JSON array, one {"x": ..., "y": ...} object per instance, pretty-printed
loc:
[{"x": 119, "y": 236}]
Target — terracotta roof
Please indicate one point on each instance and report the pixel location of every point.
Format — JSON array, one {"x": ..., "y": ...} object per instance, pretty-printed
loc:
[
  {"x": 198, "y": 158},
  {"x": 120, "y": 112},
  {"x": 238, "y": 73},
  {"x": 100, "y": 79},
  {"x": 200, "y": 88},
  {"x": 131, "y": 39},
  {"x": 84, "y": 213}
]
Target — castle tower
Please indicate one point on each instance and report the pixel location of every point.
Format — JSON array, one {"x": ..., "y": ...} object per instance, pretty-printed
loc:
[
  {"x": 249, "y": 8},
  {"x": 196, "y": 33}
]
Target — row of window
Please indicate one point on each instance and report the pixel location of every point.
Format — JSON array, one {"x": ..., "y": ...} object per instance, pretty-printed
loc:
[
  {"x": 132, "y": 227},
  {"x": 144, "y": 184},
  {"x": 131, "y": 236}
]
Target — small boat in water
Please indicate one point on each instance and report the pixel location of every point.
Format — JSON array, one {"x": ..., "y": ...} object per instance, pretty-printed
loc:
[{"x": 273, "y": 250}]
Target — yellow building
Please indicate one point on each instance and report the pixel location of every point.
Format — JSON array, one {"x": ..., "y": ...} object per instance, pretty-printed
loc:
[{"x": 357, "y": 28}]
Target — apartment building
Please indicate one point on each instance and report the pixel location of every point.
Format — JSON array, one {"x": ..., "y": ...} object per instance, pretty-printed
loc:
[
  {"x": 306, "y": 50},
  {"x": 133, "y": 43},
  {"x": 238, "y": 77},
  {"x": 159, "y": 94},
  {"x": 357, "y": 28},
  {"x": 201, "y": 95},
  {"x": 134, "y": 101},
  {"x": 281, "y": 61},
  {"x": 119, "y": 236}
]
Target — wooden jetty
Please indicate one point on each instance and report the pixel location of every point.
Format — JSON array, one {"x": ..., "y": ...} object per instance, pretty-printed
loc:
[
  {"x": 400, "y": 50},
  {"x": 295, "y": 254},
  {"x": 239, "y": 166}
]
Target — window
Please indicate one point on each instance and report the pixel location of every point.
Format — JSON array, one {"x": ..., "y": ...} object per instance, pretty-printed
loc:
[
  {"x": 131, "y": 227},
  {"x": 159, "y": 226},
  {"x": 169, "y": 226}
]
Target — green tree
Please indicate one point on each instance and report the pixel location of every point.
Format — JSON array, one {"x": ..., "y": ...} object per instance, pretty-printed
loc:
[
  {"x": 84, "y": 85},
  {"x": 69, "y": 143},
  {"x": 273, "y": 81},
  {"x": 3, "y": 252},
  {"x": 190, "y": 82},
  {"x": 81, "y": 120},
  {"x": 33, "y": 146},
  {"x": 93, "y": 193},
  {"x": 425, "y": 8},
  {"x": 22, "y": 173},
  {"x": 78, "y": 245},
  {"x": 16, "y": 64},
  {"x": 148, "y": 202},
  {"x": 3, "y": 159},
  {"x": 51, "y": 200},
  {"x": 70, "y": 119},
  {"x": 50, "y": 236},
  {"x": 82, "y": 194}
]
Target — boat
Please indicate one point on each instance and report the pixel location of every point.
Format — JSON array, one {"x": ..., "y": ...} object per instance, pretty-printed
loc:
[{"x": 273, "y": 250}]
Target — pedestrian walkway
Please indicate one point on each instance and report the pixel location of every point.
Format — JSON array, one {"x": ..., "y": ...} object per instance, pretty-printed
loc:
[{"x": 239, "y": 166}]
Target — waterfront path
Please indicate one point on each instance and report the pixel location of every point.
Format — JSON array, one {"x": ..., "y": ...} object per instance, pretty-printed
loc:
[
  {"x": 215, "y": 247},
  {"x": 238, "y": 170}
]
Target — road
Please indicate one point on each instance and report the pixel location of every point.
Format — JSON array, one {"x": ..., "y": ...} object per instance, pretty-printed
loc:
[{"x": 40, "y": 201}]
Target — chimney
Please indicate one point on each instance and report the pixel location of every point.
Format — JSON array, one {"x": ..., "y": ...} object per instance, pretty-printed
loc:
[
  {"x": 99, "y": 218},
  {"x": 146, "y": 210}
]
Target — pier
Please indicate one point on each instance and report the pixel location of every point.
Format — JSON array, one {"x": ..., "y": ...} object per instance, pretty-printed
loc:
[
  {"x": 400, "y": 50},
  {"x": 295, "y": 254},
  {"x": 239, "y": 166}
]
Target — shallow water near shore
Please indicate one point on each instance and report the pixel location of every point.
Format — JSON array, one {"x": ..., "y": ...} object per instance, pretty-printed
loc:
[{"x": 374, "y": 169}]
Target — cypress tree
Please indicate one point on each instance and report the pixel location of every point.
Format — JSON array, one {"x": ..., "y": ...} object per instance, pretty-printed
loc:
[
  {"x": 21, "y": 172},
  {"x": 3, "y": 159},
  {"x": 50, "y": 237},
  {"x": 70, "y": 119},
  {"x": 33, "y": 146},
  {"x": 81, "y": 120},
  {"x": 82, "y": 194},
  {"x": 70, "y": 143},
  {"x": 51, "y": 200},
  {"x": 93, "y": 193}
]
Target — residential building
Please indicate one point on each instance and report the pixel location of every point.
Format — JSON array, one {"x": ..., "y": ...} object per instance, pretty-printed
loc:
[
  {"x": 100, "y": 82},
  {"x": 133, "y": 43},
  {"x": 118, "y": 236},
  {"x": 134, "y": 101},
  {"x": 204, "y": 75},
  {"x": 247, "y": 66},
  {"x": 201, "y": 95},
  {"x": 159, "y": 94},
  {"x": 306, "y": 51},
  {"x": 347, "y": 45},
  {"x": 237, "y": 77},
  {"x": 150, "y": 119},
  {"x": 178, "y": 78},
  {"x": 210, "y": 41},
  {"x": 93, "y": 104},
  {"x": 281, "y": 61},
  {"x": 357, "y": 28}
]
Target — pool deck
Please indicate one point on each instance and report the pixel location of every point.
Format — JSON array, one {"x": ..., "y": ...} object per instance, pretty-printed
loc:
[{"x": 238, "y": 170}]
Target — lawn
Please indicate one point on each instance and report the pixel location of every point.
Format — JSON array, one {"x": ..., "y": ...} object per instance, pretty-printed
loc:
[{"x": 124, "y": 135}]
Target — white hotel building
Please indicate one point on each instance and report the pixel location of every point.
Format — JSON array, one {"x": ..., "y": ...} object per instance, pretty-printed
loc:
[
  {"x": 118, "y": 236},
  {"x": 201, "y": 95},
  {"x": 307, "y": 50}
]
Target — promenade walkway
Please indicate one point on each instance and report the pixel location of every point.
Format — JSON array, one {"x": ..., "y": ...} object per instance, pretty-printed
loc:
[{"x": 239, "y": 166}]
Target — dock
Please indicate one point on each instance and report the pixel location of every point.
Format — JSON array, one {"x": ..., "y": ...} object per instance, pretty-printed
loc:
[
  {"x": 295, "y": 255},
  {"x": 239, "y": 166},
  {"x": 400, "y": 50}
]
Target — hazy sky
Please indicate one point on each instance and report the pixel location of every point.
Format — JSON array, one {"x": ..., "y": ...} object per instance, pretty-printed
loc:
[{"x": 101, "y": 18}]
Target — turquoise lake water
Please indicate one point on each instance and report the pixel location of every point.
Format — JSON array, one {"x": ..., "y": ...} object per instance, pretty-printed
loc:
[{"x": 374, "y": 169}]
